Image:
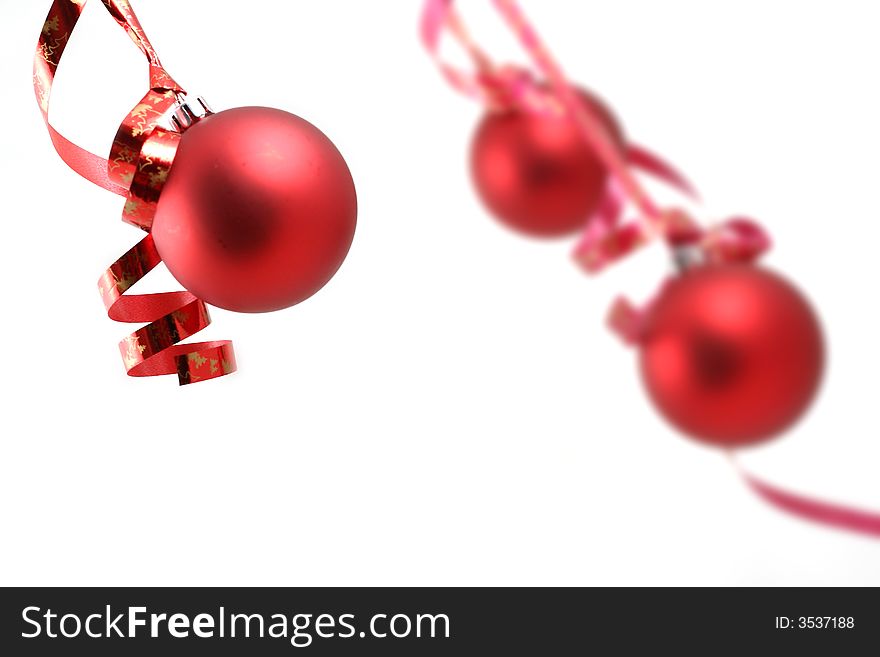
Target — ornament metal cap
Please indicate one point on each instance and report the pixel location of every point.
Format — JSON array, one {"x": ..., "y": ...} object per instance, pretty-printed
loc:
[
  {"x": 688, "y": 256},
  {"x": 189, "y": 111}
]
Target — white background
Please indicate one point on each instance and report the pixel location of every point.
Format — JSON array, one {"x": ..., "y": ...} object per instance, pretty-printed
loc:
[{"x": 450, "y": 409}]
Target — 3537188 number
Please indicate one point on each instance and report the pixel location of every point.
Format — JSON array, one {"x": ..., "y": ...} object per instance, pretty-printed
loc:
[{"x": 826, "y": 622}]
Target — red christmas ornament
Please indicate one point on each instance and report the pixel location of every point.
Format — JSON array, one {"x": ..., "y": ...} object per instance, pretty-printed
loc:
[
  {"x": 731, "y": 354},
  {"x": 258, "y": 212},
  {"x": 536, "y": 173}
]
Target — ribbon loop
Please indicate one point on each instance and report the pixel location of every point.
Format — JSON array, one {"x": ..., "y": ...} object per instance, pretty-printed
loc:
[{"x": 738, "y": 239}]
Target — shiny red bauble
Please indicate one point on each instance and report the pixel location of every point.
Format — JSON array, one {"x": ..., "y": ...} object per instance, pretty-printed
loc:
[
  {"x": 731, "y": 354},
  {"x": 536, "y": 173},
  {"x": 258, "y": 212}
]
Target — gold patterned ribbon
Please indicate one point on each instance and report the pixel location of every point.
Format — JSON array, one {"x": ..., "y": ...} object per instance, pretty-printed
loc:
[{"x": 138, "y": 166}]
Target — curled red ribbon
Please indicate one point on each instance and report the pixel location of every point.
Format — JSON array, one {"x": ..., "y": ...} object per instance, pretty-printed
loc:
[
  {"x": 138, "y": 166},
  {"x": 605, "y": 238}
]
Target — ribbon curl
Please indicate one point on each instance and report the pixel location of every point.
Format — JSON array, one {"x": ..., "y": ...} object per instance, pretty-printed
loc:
[
  {"x": 139, "y": 163},
  {"x": 173, "y": 316}
]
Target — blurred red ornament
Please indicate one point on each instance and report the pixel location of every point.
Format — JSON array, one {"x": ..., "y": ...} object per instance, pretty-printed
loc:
[
  {"x": 258, "y": 212},
  {"x": 536, "y": 173},
  {"x": 731, "y": 354}
]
